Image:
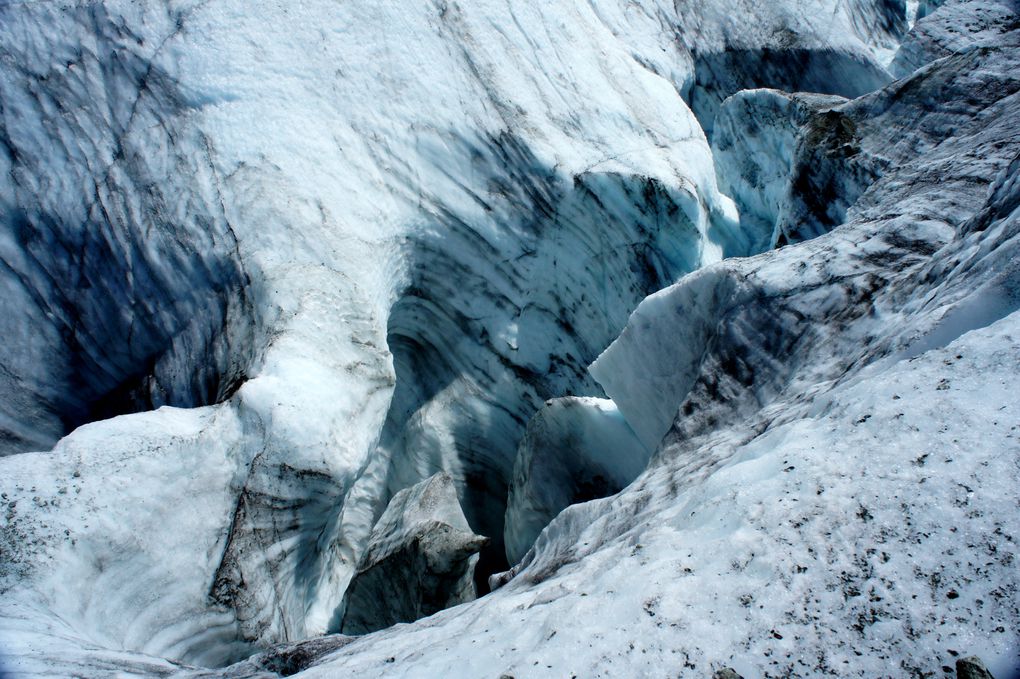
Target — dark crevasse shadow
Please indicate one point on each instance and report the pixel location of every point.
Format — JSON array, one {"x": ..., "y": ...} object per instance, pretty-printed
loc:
[{"x": 129, "y": 288}]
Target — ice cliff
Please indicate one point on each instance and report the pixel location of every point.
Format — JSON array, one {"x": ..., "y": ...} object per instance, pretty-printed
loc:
[{"x": 692, "y": 324}]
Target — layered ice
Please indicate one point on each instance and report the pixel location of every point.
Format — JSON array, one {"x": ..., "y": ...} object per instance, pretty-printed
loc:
[
  {"x": 755, "y": 150},
  {"x": 121, "y": 291},
  {"x": 832, "y": 493},
  {"x": 378, "y": 261},
  {"x": 842, "y": 49},
  {"x": 956, "y": 26}
]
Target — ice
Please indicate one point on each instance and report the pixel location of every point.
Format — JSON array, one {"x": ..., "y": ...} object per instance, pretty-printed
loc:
[
  {"x": 944, "y": 29},
  {"x": 423, "y": 542},
  {"x": 265, "y": 273},
  {"x": 757, "y": 133},
  {"x": 379, "y": 260},
  {"x": 575, "y": 450},
  {"x": 832, "y": 489},
  {"x": 802, "y": 554}
]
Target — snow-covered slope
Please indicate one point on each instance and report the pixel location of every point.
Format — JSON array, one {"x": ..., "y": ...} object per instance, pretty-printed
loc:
[{"x": 355, "y": 245}]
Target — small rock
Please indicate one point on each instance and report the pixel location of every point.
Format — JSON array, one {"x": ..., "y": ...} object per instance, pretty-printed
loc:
[
  {"x": 726, "y": 673},
  {"x": 972, "y": 668}
]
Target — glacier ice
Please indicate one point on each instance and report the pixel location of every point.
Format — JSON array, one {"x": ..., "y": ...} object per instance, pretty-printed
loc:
[
  {"x": 954, "y": 27},
  {"x": 742, "y": 47},
  {"x": 835, "y": 523},
  {"x": 755, "y": 145},
  {"x": 121, "y": 292},
  {"x": 356, "y": 251},
  {"x": 420, "y": 559},
  {"x": 354, "y": 363},
  {"x": 574, "y": 450}
]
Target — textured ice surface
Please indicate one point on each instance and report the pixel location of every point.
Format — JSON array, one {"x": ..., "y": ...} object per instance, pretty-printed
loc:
[
  {"x": 862, "y": 535},
  {"x": 406, "y": 252},
  {"x": 420, "y": 559},
  {"x": 834, "y": 492},
  {"x": 373, "y": 239},
  {"x": 831, "y": 48},
  {"x": 755, "y": 144},
  {"x": 954, "y": 27}
]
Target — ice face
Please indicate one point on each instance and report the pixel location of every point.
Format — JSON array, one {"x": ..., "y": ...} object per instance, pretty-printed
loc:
[
  {"x": 574, "y": 450},
  {"x": 759, "y": 154},
  {"x": 379, "y": 262},
  {"x": 842, "y": 446},
  {"x": 124, "y": 289},
  {"x": 420, "y": 559}
]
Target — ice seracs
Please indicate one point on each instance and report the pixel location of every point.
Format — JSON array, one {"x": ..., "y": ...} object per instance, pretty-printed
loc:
[
  {"x": 829, "y": 489},
  {"x": 735, "y": 48},
  {"x": 755, "y": 149},
  {"x": 943, "y": 30},
  {"x": 376, "y": 278}
]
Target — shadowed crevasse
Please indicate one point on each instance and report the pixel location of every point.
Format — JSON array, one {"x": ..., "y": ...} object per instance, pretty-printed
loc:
[
  {"x": 129, "y": 285},
  {"x": 718, "y": 75},
  {"x": 503, "y": 313}
]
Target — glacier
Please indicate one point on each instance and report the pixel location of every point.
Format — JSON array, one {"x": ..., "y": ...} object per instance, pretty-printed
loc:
[{"x": 688, "y": 329}]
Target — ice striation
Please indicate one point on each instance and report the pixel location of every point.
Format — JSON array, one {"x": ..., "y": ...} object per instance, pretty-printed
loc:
[
  {"x": 364, "y": 256},
  {"x": 787, "y": 46},
  {"x": 954, "y": 27},
  {"x": 867, "y": 454},
  {"x": 121, "y": 292},
  {"x": 756, "y": 150}
]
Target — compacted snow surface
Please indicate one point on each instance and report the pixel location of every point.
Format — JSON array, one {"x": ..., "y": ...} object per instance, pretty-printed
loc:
[{"x": 691, "y": 329}]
